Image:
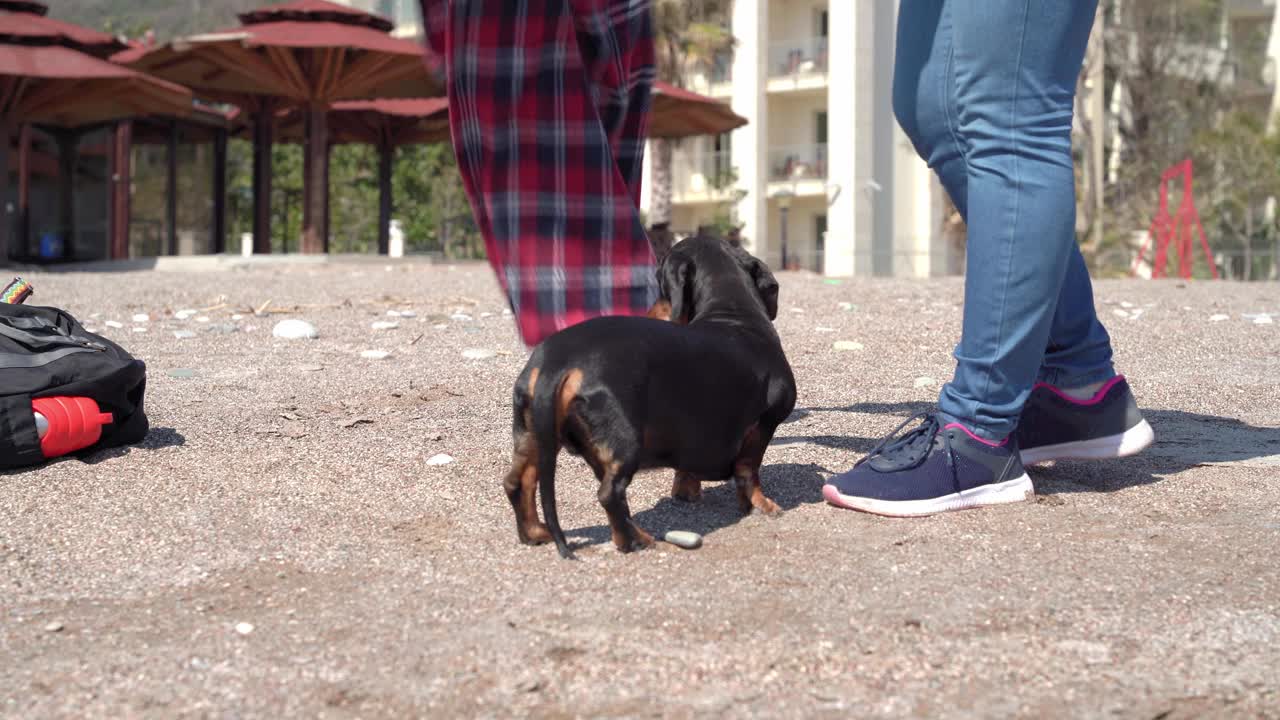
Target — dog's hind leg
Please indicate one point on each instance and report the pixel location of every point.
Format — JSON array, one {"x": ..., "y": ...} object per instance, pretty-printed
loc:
[
  {"x": 627, "y": 536},
  {"x": 686, "y": 487},
  {"x": 521, "y": 484}
]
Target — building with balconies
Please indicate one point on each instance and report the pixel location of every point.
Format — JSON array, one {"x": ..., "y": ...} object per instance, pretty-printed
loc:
[{"x": 821, "y": 167}]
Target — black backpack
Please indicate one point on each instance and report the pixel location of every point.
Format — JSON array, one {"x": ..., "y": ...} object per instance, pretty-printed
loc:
[{"x": 44, "y": 352}]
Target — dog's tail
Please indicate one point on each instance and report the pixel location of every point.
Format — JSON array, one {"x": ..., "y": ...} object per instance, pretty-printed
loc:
[{"x": 548, "y": 444}]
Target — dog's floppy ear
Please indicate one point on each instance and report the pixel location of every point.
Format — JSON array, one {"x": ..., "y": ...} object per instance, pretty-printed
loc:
[
  {"x": 766, "y": 285},
  {"x": 675, "y": 280}
]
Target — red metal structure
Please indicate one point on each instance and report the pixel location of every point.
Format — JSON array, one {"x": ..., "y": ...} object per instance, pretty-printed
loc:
[{"x": 1175, "y": 229}]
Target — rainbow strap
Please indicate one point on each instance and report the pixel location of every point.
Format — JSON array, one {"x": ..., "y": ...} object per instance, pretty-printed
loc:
[{"x": 16, "y": 292}]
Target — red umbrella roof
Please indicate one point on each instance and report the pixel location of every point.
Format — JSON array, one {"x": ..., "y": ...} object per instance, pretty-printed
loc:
[
  {"x": 302, "y": 51},
  {"x": 24, "y": 27},
  {"x": 313, "y": 11},
  {"x": 63, "y": 86}
]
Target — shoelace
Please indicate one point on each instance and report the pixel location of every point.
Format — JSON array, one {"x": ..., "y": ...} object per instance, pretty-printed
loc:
[{"x": 918, "y": 442}]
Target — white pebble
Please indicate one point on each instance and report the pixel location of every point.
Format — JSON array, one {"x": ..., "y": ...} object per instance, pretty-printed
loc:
[
  {"x": 1219, "y": 317},
  {"x": 441, "y": 326},
  {"x": 460, "y": 317},
  {"x": 375, "y": 354},
  {"x": 845, "y": 305},
  {"x": 244, "y": 628},
  {"x": 54, "y": 626},
  {"x": 441, "y": 459},
  {"x": 1263, "y": 320},
  {"x": 1126, "y": 304},
  {"x": 408, "y": 314},
  {"x": 139, "y": 329},
  {"x": 684, "y": 539},
  {"x": 114, "y": 324},
  {"x": 486, "y": 314},
  {"x": 797, "y": 309},
  {"x": 183, "y": 334},
  {"x": 295, "y": 330},
  {"x": 203, "y": 318},
  {"x": 506, "y": 312},
  {"x": 478, "y": 354},
  {"x": 184, "y": 314},
  {"x": 384, "y": 325},
  {"x": 923, "y": 382},
  {"x": 1121, "y": 313},
  {"x": 847, "y": 345},
  {"x": 141, "y": 318},
  {"x": 237, "y": 316}
]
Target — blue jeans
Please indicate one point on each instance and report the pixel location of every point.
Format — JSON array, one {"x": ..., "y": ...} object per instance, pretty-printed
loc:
[{"x": 985, "y": 92}]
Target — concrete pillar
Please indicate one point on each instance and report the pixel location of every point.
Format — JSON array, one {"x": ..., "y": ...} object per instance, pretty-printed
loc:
[
  {"x": 848, "y": 220},
  {"x": 749, "y": 99}
]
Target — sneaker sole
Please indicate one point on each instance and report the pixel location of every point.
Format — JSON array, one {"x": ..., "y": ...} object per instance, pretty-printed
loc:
[
  {"x": 1009, "y": 491},
  {"x": 1130, "y": 442}
]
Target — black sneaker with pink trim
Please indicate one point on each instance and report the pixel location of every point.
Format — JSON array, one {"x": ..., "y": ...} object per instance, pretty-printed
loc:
[{"x": 1056, "y": 426}]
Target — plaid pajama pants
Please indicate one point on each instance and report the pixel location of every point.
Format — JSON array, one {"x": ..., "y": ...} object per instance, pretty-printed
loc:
[{"x": 548, "y": 108}]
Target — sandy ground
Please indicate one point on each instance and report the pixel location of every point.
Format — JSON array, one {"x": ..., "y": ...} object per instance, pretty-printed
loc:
[{"x": 285, "y": 485}]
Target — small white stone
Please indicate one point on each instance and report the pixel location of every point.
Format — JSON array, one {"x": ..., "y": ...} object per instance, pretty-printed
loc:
[
  {"x": 1126, "y": 304},
  {"x": 384, "y": 325},
  {"x": 506, "y": 312},
  {"x": 375, "y": 354},
  {"x": 1121, "y": 313},
  {"x": 478, "y": 354},
  {"x": 683, "y": 539},
  {"x": 54, "y": 626},
  {"x": 393, "y": 313},
  {"x": 408, "y": 314},
  {"x": 237, "y": 316},
  {"x": 1263, "y": 320},
  {"x": 845, "y": 305},
  {"x": 139, "y": 329},
  {"x": 183, "y": 334},
  {"x": 441, "y": 459},
  {"x": 295, "y": 330},
  {"x": 141, "y": 318},
  {"x": 846, "y": 345},
  {"x": 1219, "y": 317},
  {"x": 441, "y": 326},
  {"x": 244, "y": 628},
  {"x": 923, "y": 382},
  {"x": 797, "y": 309},
  {"x": 184, "y": 314},
  {"x": 460, "y": 317},
  {"x": 203, "y": 318},
  {"x": 114, "y": 324},
  {"x": 486, "y": 314}
]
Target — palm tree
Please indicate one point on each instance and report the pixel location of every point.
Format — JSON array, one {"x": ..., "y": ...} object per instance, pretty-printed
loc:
[{"x": 689, "y": 35}]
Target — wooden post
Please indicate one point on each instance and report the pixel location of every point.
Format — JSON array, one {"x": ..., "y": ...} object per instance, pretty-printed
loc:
[
  {"x": 386, "y": 153},
  {"x": 121, "y": 183},
  {"x": 262, "y": 122},
  {"x": 315, "y": 181},
  {"x": 219, "y": 243},
  {"x": 171, "y": 191}
]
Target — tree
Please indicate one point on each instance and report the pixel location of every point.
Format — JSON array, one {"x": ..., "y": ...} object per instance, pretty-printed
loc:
[{"x": 689, "y": 35}]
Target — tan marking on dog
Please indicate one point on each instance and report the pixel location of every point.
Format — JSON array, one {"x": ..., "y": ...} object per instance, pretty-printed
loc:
[
  {"x": 564, "y": 398},
  {"x": 661, "y": 310},
  {"x": 533, "y": 381},
  {"x": 533, "y": 527}
]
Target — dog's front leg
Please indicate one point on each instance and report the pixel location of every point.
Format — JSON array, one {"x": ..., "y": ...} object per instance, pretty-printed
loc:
[{"x": 746, "y": 472}]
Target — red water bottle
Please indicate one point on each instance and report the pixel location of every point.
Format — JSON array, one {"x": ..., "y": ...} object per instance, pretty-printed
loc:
[{"x": 68, "y": 424}]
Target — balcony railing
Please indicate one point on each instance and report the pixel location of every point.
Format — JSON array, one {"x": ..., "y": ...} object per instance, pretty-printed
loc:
[
  {"x": 798, "y": 58},
  {"x": 702, "y": 173},
  {"x": 793, "y": 163}
]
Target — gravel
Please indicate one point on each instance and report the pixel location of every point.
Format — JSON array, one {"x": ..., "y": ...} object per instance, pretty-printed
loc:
[{"x": 299, "y": 500}]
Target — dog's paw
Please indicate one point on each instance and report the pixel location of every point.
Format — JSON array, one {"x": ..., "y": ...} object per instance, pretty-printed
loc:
[
  {"x": 535, "y": 535},
  {"x": 639, "y": 540}
]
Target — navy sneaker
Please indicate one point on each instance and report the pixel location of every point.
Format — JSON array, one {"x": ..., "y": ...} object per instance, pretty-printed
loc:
[
  {"x": 1056, "y": 426},
  {"x": 931, "y": 469}
]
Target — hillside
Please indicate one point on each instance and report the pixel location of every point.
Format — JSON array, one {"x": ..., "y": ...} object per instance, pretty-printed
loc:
[{"x": 167, "y": 17}]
